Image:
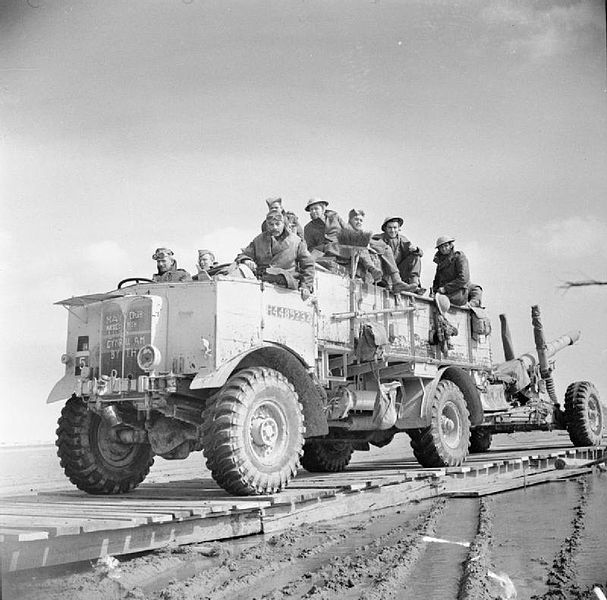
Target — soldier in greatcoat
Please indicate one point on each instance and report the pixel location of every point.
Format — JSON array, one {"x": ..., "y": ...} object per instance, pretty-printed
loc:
[
  {"x": 321, "y": 232},
  {"x": 291, "y": 219},
  {"x": 279, "y": 256},
  {"x": 452, "y": 272}
]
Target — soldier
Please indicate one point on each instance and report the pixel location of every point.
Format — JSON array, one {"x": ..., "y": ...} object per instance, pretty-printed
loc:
[
  {"x": 279, "y": 256},
  {"x": 167, "y": 267},
  {"x": 206, "y": 261},
  {"x": 291, "y": 220},
  {"x": 378, "y": 248},
  {"x": 452, "y": 272},
  {"x": 322, "y": 230},
  {"x": 406, "y": 255}
]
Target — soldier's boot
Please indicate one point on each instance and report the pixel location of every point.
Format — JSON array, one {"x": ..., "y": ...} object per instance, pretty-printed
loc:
[
  {"x": 400, "y": 287},
  {"x": 417, "y": 288}
]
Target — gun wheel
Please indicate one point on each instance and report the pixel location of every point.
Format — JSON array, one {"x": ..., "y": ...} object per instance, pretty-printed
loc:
[
  {"x": 480, "y": 440},
  {"x": 94, "y": 460},
  {"x": 444, "y": 443},
  {"x": 254, "y": 433},
  {"x": 326, "y": 457},
  {"x": 583, "y": 414}
]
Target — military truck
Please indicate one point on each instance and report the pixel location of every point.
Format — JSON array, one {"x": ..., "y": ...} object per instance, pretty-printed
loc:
[{"x": 265, "y": 383}]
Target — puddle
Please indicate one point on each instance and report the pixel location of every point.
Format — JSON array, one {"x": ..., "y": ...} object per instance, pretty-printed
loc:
[{"x": 458, "y": 524}]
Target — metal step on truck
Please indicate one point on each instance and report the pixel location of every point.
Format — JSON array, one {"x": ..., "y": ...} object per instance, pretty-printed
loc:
[{"x": 265, "y": 383}]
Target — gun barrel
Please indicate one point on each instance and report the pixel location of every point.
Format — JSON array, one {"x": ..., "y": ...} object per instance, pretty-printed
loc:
[
  {"x": 568, "y": 339},
  {"x": 531, "y": 358}
]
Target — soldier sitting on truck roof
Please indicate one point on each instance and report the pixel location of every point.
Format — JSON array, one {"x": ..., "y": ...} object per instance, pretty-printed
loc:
[
  {"x": 167, "y": 267},
  {"x": 206, "y": 262},
  {"x": 452, "y": 272},
  {"x": 321, "y": 232},
  {"x": 377, "y": 254},
  {"x": 291, "y": 219},
  {"x": 406, "y": 255},
  {"x": 279, "y": 256}
]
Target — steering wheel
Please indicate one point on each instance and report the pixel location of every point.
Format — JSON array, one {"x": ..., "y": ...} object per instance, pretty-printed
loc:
[{"x": 135, "y": 279}]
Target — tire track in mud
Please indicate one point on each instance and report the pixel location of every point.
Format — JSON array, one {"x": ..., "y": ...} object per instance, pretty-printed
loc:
[
  {"x": 475, "y": 583},
  {"x": 379, "y": 571},
  {"x": 561, "y": 580},
  {"x": 345, "y": 560}
]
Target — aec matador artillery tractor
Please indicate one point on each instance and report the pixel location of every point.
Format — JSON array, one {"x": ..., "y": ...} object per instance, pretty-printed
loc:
[{"x": 263, "y": 382}]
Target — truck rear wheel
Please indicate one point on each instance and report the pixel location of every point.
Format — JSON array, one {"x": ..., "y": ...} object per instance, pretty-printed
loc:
[
  {"x": 480, "y": 440},
  {"x": 94, "y": 460},
  {"x": 444, "y": 443},
  {"x": 583, "y": 414},
  {"x": 326, "y": 457},
  {"x": 254, "y": 433}
]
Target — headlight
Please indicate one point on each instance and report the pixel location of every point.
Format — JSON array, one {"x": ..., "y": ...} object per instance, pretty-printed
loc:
[
  {"x": 66, "y": 359},
  {"x": 148, "y": 357}
]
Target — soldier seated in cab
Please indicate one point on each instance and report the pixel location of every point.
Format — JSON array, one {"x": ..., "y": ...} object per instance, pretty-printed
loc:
[{"x": 167, "y": 267}]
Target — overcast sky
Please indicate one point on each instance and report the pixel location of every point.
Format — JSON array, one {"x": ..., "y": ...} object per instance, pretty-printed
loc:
[{"x": 131, "y": 125}]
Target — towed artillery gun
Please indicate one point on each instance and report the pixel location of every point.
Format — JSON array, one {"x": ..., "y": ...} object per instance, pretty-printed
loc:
[{"x": 264, "y": 383}]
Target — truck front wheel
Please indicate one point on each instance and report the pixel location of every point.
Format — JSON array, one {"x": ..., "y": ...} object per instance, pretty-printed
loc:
[
  {"x": 583, "y": 414},
  {"x": 444, "y": 443},
  {"x": 326, "y": 457},
  {"x": 254, "y": 433},
  {"x": 93, "y": 459}
]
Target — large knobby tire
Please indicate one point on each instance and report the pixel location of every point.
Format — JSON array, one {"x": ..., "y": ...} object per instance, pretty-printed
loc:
[
  {"x": 444, "y": 443},
  {"x": 480, "y": 440},
  {"x": 583, "y": 414},
  {"x": 94, "y": 461},
  {"x": 254, "y": 433},
  {"x": 325, "y": 456}
]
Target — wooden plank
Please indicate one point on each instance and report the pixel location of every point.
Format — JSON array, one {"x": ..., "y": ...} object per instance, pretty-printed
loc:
[
  {"x": 279, "y": 518},
  {"x": 9, "y": 534},
  {"x": 516, "y": 483},
  {"x": 97, "y": 544},
  {"x": 75, "y": 512},
  {"x": 66, "y": 525}
]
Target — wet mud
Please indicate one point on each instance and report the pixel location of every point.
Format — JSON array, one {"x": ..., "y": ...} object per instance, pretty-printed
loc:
[{"x": 540, "y": 543}]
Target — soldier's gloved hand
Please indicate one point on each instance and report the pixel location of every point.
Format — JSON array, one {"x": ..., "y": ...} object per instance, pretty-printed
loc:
[
  {"x": 249, "y": 263},
  {"x": 305, "y": 293}
]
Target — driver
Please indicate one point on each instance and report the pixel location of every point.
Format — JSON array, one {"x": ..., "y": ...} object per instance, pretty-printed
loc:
[{"x": 167, "y": 267}]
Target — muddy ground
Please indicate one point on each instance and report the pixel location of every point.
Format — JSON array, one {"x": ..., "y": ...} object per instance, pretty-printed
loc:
[{"x": 544, "y": 543}]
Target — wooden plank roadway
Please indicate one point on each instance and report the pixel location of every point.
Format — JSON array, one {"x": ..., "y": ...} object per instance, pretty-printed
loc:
[{"x": 53, "y": 528}]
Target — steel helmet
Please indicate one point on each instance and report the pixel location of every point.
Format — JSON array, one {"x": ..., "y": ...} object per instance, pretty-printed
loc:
[
  {"x": 399, "y": 220},
  {"x": 443, "y": 239},
  {"x": 313, "y": 201}
]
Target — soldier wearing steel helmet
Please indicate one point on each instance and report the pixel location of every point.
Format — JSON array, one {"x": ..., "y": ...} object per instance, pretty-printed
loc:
[
  {"x": 167, "y": 267},
  {"x": 321, "y": 232},
  {"x": 407, "y": 256},
  {"x": 452, "y": 272}
]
